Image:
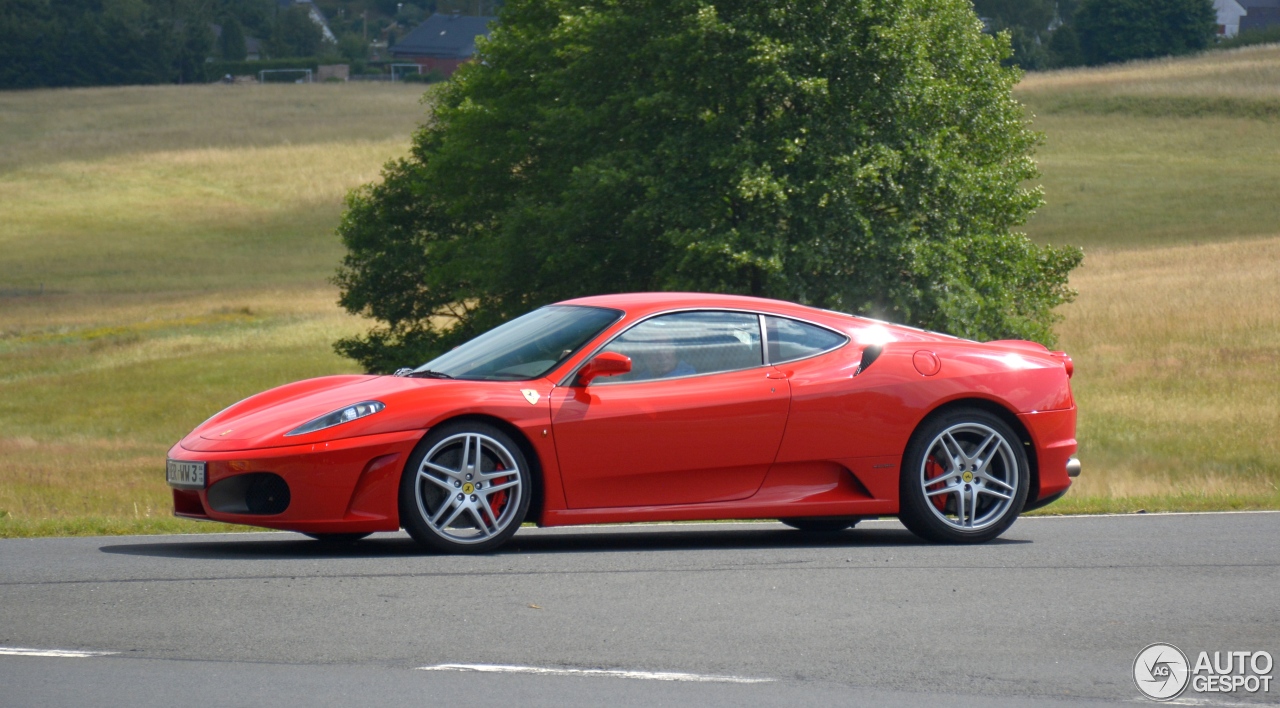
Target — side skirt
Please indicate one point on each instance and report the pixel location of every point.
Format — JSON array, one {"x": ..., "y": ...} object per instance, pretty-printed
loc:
[{"x": 719, "y": 511}]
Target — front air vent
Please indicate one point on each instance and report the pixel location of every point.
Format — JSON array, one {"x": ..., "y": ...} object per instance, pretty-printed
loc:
[{"x": 256, "y": 493}]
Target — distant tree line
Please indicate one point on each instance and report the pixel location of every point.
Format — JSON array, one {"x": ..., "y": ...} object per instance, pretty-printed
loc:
[
  {"x": 1050, "y": 34},
  {"x": 103, "y": 42},
  {"x": 117, "y": 42},
  {"x": 114, "y": 42}
]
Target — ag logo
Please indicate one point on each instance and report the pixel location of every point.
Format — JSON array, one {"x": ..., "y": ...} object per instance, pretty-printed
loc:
[{"x": 1161, "y": 672}]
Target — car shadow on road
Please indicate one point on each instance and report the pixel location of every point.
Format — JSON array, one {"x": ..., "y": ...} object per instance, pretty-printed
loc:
[
  {"x": 275, "y": 547},
  {"x": 703, "y": 539},
  {"x": 529, "y": 541}
]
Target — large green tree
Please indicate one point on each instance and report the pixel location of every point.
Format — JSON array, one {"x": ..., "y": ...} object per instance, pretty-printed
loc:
[
  {"x": 1119, "y": 30},
  {"x": 863, "y": 155}
]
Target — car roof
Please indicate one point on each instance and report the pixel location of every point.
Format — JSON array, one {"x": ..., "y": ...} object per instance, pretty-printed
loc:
[{"x": 641, "y": 304}]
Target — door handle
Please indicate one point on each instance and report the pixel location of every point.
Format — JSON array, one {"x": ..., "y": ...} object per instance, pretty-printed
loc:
[{"x": 775, "y": 375}]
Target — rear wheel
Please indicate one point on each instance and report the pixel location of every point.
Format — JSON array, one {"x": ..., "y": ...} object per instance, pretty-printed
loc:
[
  {"x": 821, "y": 524},
  {"x": 466, "y": 489},
  {"x": 964, "y": 478}
]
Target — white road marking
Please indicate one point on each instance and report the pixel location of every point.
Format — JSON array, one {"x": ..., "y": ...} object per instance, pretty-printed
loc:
[
  {"x": 612, "y": 673},
  {"x": 56, "y": 653}
]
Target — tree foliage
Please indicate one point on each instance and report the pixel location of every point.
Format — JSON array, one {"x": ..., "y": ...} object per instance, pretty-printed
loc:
[
  {"x": 295, "y": 34},
  {"x": 1027, "y": 22},
  {"x": 863, "y": 155},
  {"x": 231, "y": 45},
  {"x": 1119, "y": 30},
  {"x": 103, "y": 42},
  {"x": 256, "y": 17}
]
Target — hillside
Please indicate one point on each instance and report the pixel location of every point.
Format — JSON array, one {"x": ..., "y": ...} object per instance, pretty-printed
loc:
[
  {"x": 166, "y": 251},
  {"x": 1165, "y": 172},
  {"x": 1189, "y": 148}
]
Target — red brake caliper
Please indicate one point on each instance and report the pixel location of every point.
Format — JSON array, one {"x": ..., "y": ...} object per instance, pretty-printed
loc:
[
  {"x": 934, "y": 470},
  {"x": 499, "y": 498}
]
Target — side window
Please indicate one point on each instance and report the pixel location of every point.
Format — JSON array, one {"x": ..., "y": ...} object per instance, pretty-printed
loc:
[
  {"x": 790, "y": 340},
  {"x": 689, "y": 343}
]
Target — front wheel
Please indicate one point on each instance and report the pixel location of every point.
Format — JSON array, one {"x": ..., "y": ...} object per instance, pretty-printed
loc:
[
  {"x": 465, "y": 489},
  {"x": 964, "y": 478}
]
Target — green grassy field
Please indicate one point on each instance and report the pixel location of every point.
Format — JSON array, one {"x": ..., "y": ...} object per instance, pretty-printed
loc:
[
  {"x": 165, "y": 251},
  {"x": 1159, "y": 153}
]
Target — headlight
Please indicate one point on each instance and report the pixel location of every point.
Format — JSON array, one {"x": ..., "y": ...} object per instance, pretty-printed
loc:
[{"x": 338, "y": 417}]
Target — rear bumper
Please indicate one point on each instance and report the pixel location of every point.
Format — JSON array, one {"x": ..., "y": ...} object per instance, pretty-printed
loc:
[
  {"x": 344, "y": 486},
  {"x": 1053, "y": 435}
]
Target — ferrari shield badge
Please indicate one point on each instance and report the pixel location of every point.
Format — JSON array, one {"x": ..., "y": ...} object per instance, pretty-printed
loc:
[{"x": 530, "y": 395}]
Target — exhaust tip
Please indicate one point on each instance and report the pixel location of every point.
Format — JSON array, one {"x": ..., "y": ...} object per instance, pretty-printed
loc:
[{"x": 1073, "y": 467}]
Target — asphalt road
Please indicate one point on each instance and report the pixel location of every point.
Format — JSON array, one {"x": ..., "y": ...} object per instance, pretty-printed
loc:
[{"x": 1053, "y": 613}]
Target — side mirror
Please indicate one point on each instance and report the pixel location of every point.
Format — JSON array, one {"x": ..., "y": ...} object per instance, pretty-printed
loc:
[{"x": 604, "y": 364}]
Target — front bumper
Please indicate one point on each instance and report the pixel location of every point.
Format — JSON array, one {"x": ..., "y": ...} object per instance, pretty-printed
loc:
[{"x": 344, "y": 486}]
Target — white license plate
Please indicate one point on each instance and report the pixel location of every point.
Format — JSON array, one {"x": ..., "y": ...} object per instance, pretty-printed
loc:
[{"x": 186, "y": 475}]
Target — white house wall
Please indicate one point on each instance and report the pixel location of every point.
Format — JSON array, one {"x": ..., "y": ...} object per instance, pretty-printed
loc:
[{"x": 1229, "y": 14}]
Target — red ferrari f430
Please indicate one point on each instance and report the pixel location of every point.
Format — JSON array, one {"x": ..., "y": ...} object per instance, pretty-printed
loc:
[{"x": 650, "y": 407}]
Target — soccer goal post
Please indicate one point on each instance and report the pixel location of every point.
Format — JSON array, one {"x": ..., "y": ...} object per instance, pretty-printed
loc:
[
  {"x": 277, "y": 76},
  {"x": 417, "y": 68}
]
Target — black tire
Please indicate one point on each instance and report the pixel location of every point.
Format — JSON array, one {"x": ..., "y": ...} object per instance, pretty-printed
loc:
[
  {"x": 969, "y": 494},
  {"x": 450, "y": 507},
  {"x": 336, "y": 539},
  {"x": 821, "y": 524}
]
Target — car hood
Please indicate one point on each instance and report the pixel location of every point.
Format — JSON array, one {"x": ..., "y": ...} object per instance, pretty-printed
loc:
[{"x": 265, "y": 419}]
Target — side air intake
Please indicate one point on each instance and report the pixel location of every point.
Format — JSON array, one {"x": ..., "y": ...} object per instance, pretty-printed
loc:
[{"x": 869, "y": 356}]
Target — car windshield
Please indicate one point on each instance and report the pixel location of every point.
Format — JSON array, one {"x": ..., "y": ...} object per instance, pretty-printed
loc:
[{"x": 524, "y": 348}]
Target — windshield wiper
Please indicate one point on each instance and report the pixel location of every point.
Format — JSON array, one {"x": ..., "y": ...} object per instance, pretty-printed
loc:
[{"x": 423, "y": 374}]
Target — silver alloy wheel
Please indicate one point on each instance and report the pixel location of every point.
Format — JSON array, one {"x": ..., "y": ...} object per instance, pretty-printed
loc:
[
  {"x": 968, "y": 475},
  {"x": 468, "y": 488}
]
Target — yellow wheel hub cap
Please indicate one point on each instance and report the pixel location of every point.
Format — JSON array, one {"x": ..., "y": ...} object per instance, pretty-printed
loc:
[
  {"x": 468, "y": 488},
  {"x": 967, "y": 476}
]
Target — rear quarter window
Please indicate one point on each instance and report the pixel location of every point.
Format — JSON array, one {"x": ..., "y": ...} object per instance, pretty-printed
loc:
[{"x": 790, "y": 339}]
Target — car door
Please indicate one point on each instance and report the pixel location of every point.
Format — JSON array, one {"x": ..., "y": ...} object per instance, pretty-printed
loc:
[{"x": 699, "y": 418}]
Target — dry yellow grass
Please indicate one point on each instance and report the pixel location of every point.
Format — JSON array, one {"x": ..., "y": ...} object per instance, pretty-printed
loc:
[
  {"x": 1250, "y": 72},
  {"x": 1177, "y": 356},
  {"x": 39, "y": 127},
  {"x": 92, "y": 397}
]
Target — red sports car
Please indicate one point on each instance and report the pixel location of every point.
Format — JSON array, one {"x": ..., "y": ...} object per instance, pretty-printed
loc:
[{"x": 650, "y": 407}]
